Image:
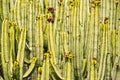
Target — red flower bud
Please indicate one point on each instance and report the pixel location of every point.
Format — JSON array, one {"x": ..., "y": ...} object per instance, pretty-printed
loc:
[
  {"x": 50, "y": 20},
  {"x": 51, "y": 9}
]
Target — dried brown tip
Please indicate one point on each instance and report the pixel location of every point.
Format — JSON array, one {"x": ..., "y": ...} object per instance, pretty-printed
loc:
[
  {"x": 69, "y": 55},
  {"x": 94, "y": 58},
  {"x": 116, "y": 2},
  {"x": 37, "y": 17},
  {"x": 11, "y": 23},
  {"x": 71, "y": 2},
  {"x": 40, "y": 72},
  {"x": 106, "y": 18},
  {"x": 92, "y": 1},
  {"x": 50, "y": 20},
  {"x": 108, "y": 53},
  {"x": 116, "y": 33},
  {"x": 92, "y": 4},
  {"x": 60, "y": 0},
  {"x": 119, "y": 19},
  {"x": 68, "y": 16},
  {"x": 97, "y": 1}
]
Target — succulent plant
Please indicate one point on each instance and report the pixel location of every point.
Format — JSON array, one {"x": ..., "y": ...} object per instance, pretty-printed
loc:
[{"x": 59, "y": 40}]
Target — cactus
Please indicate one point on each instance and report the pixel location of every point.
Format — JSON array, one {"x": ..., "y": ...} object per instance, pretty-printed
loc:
[{"x": 59, "y": 39}]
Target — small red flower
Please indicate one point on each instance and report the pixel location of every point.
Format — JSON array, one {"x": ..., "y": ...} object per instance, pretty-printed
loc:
[
  {"x": 51, "y": 9},
  {"x": 50, "y": 20}
]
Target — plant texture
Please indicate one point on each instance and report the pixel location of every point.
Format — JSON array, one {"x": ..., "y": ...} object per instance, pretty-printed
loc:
[{"x": 59, "y": 39}]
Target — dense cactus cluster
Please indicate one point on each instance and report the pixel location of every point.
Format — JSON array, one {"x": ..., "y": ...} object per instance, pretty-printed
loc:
[{"x": 59, "y": 39}]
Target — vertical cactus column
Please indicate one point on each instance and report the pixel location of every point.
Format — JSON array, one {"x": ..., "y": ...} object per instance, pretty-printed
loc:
[
  {"x": 60, "y": 39},
  {"x": 91, "y": 32},
  {"x": 12, "y": 48},
  {"x": 45, "y": 67},
  {"x": 5, "y": 57},
  {"x": 29, "y": 28},
  {"x": 5, "y": 9},
  {"x": 51, "y": 44},
  {"x": 68, "y": 66},
  {"x": 21, "y": 50},
  {"x": 18, "y": 5}
]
